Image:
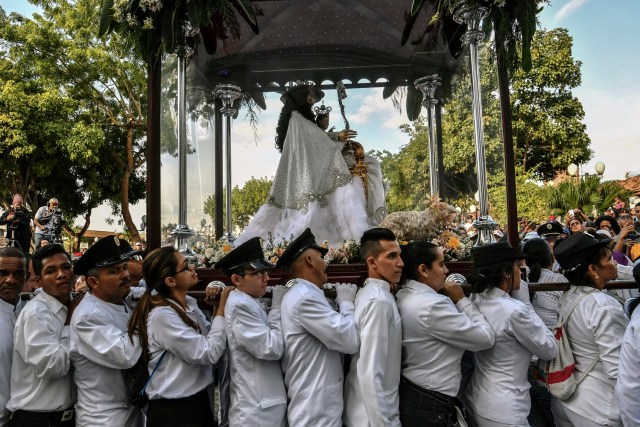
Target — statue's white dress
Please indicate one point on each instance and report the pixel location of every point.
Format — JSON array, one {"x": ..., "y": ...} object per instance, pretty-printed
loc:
[{"x": 312, "y": 188}]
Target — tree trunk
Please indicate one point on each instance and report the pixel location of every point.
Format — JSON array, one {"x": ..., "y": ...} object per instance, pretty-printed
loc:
[
  {"x": 78, "y": 236},
  {"x": 154, "y": 69},
  {"x": 124, "y": 186}
]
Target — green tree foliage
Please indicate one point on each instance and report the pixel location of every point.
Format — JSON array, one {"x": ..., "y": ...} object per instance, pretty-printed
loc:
[
  {"x": 245, "y": 201},
  {"x": 589, "y": 194},
  {"x": 106, "y": 87},
  {"x": 547, "y": 118},
  {"x": 531, "y": 196}
]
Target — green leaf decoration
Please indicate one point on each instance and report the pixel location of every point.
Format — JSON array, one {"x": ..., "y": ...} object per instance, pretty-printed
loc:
[
  {"x": 414, "y": 102},
  {"x": 388, "y": 91},
  {"x": 194, "y": 14},
  {"x": 106, "y": 18},
  {"x": 258, "y": 97},
  {"x": 415, "y": 6},
  {"x": 247, "y": 11}
]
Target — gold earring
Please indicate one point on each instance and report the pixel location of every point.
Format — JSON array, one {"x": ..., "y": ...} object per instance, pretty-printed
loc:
[{"x": 597, "y": 276}]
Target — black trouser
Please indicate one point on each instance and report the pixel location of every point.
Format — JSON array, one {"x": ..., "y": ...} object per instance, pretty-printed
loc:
[
  {"x": 43, "y": 419},
  {"x": 192, "y": 411},
  {"x": 422, "y": 407}
]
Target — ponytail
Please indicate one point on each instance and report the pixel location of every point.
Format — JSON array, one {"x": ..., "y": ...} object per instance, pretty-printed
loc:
[{"x": 156, "y": 267}]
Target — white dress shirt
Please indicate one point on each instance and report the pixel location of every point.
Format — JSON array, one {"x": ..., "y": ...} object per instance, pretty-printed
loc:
[
  {"x": 100, "y": 350},
  {"x": 595, "y": 330},
  {"x": 187, "y": 367},
  {"x": 258, "y": 396},
  {"x": 314, "y": 336},
  {"x": 435, "y": 334},
  {"x": 546, "y": 303},
  {"x": 41, "y": 378},
  {"x": 8, "y": 316},
  {"x": 628, "y": 385},
  {"x": 371, "y": 389},
  {"x": 499, "y": 389}
]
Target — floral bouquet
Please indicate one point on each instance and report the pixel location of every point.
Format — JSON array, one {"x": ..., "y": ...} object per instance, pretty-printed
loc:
[{"x": 455, "y": 246}]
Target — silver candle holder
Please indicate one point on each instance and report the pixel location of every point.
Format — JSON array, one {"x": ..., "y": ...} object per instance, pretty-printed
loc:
[
  {"x": 182, "y": 232},
  {"x": 228, "y": 94},
  {"x": 472, "y": 17},
  {"x": 428, "y": 86}
]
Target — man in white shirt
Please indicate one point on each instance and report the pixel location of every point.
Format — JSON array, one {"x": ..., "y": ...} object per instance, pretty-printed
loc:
[
  {"x": 13, "y": 274},
  {"x": 371, "y": 390},
  {"x": 42, "y": 390},
  {"x": 314, "y": 336},
  {"x": 100, "y": 346},
  {"x": 255, "y": 343}
]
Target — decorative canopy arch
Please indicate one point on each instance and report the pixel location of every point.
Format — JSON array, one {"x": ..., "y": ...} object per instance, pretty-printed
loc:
[{"x": 327, "y": 40}]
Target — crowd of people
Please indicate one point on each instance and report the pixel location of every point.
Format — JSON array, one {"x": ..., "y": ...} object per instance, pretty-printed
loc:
[
  {"x": 48, "y": 224},
  {"x": 407, "y": 348},
  {"x": 126, "y": 345}
]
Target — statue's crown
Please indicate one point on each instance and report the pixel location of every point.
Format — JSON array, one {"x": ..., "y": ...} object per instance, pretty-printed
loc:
[{"x": 322, "y": 110}]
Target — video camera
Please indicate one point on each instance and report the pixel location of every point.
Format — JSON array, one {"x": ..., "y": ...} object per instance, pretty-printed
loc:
[
  {"x": 20, "y": 214},
  {"x": 55, "y": 218}
]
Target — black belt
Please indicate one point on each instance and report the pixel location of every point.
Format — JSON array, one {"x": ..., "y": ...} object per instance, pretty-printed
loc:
[
  {"x": 48, "y": 416},
  {"x": 436, "y": 395}
]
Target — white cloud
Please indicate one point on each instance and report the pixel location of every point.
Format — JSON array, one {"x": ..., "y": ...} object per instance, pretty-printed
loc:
[
  {"x": 611, "y": 118},
  {"x": 568, "y": 9}
]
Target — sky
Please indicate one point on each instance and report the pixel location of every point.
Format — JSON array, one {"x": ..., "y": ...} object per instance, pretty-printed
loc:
[{"x": 605, "y": 35}]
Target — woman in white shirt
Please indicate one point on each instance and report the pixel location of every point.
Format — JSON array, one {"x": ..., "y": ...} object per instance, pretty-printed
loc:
[
  {"x": 436, "y": 330},
  {"x": 595, "y": 329},
  {"x": 545, "y": 304},
  {"x": 540, "y": 263},
  {"x": 499, "y": 391},
  {"x": 628, "y": 385},
  {"x": 168, "y": 320}
]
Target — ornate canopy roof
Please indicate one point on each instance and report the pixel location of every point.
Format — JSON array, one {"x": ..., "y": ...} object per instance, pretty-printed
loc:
[{"x": 357, "y": 41}]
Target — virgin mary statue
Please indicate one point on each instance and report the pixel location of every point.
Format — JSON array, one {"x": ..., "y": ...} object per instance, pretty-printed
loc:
[{"x": 312, "y": 186}]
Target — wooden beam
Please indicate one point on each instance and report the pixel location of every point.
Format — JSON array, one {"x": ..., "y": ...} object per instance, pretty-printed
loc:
[
  {"x": 507, "y": 142},
  {"x": 441, "y": 190},
  {"x": 154, "y": 70}
]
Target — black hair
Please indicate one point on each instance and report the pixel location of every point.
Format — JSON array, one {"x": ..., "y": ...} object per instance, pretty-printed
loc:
[
  {"x": 579, "y": 275},
  {"x": 45, "y": 252},
  {"x": 160, "y": 264},
  {"x": 414, "y": 254},
  {"x": 319, "y": 117},
  {"x": 539, "y": 257},
  {"x": 490, "y": 276},
  {"x": 295, "y": 100},
  {"x": 11, "y": 252},
  {"x": 370, "y": 241}
]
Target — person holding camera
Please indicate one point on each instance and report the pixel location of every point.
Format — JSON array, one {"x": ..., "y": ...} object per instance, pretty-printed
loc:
[
  {"x": 49, "y": 222},
  {"x": 18, "y": 221}
]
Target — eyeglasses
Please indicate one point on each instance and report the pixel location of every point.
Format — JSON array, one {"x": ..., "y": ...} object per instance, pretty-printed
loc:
[
  {"x": 185, "y": 268},
  {"x": 259, "y": 274}
]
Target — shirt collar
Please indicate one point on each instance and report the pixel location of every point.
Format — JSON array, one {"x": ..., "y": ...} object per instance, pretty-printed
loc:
[
  {"x": 418, "y": 287},
  {"x": 378, "y": 283},
  {"x": 122, "y": 308},
  {"x": 311, "y": 285},
  {"x": 56, "y": 307},
  {"x": 8, "y": 307},
  {"x": 497, "y": 293}
]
